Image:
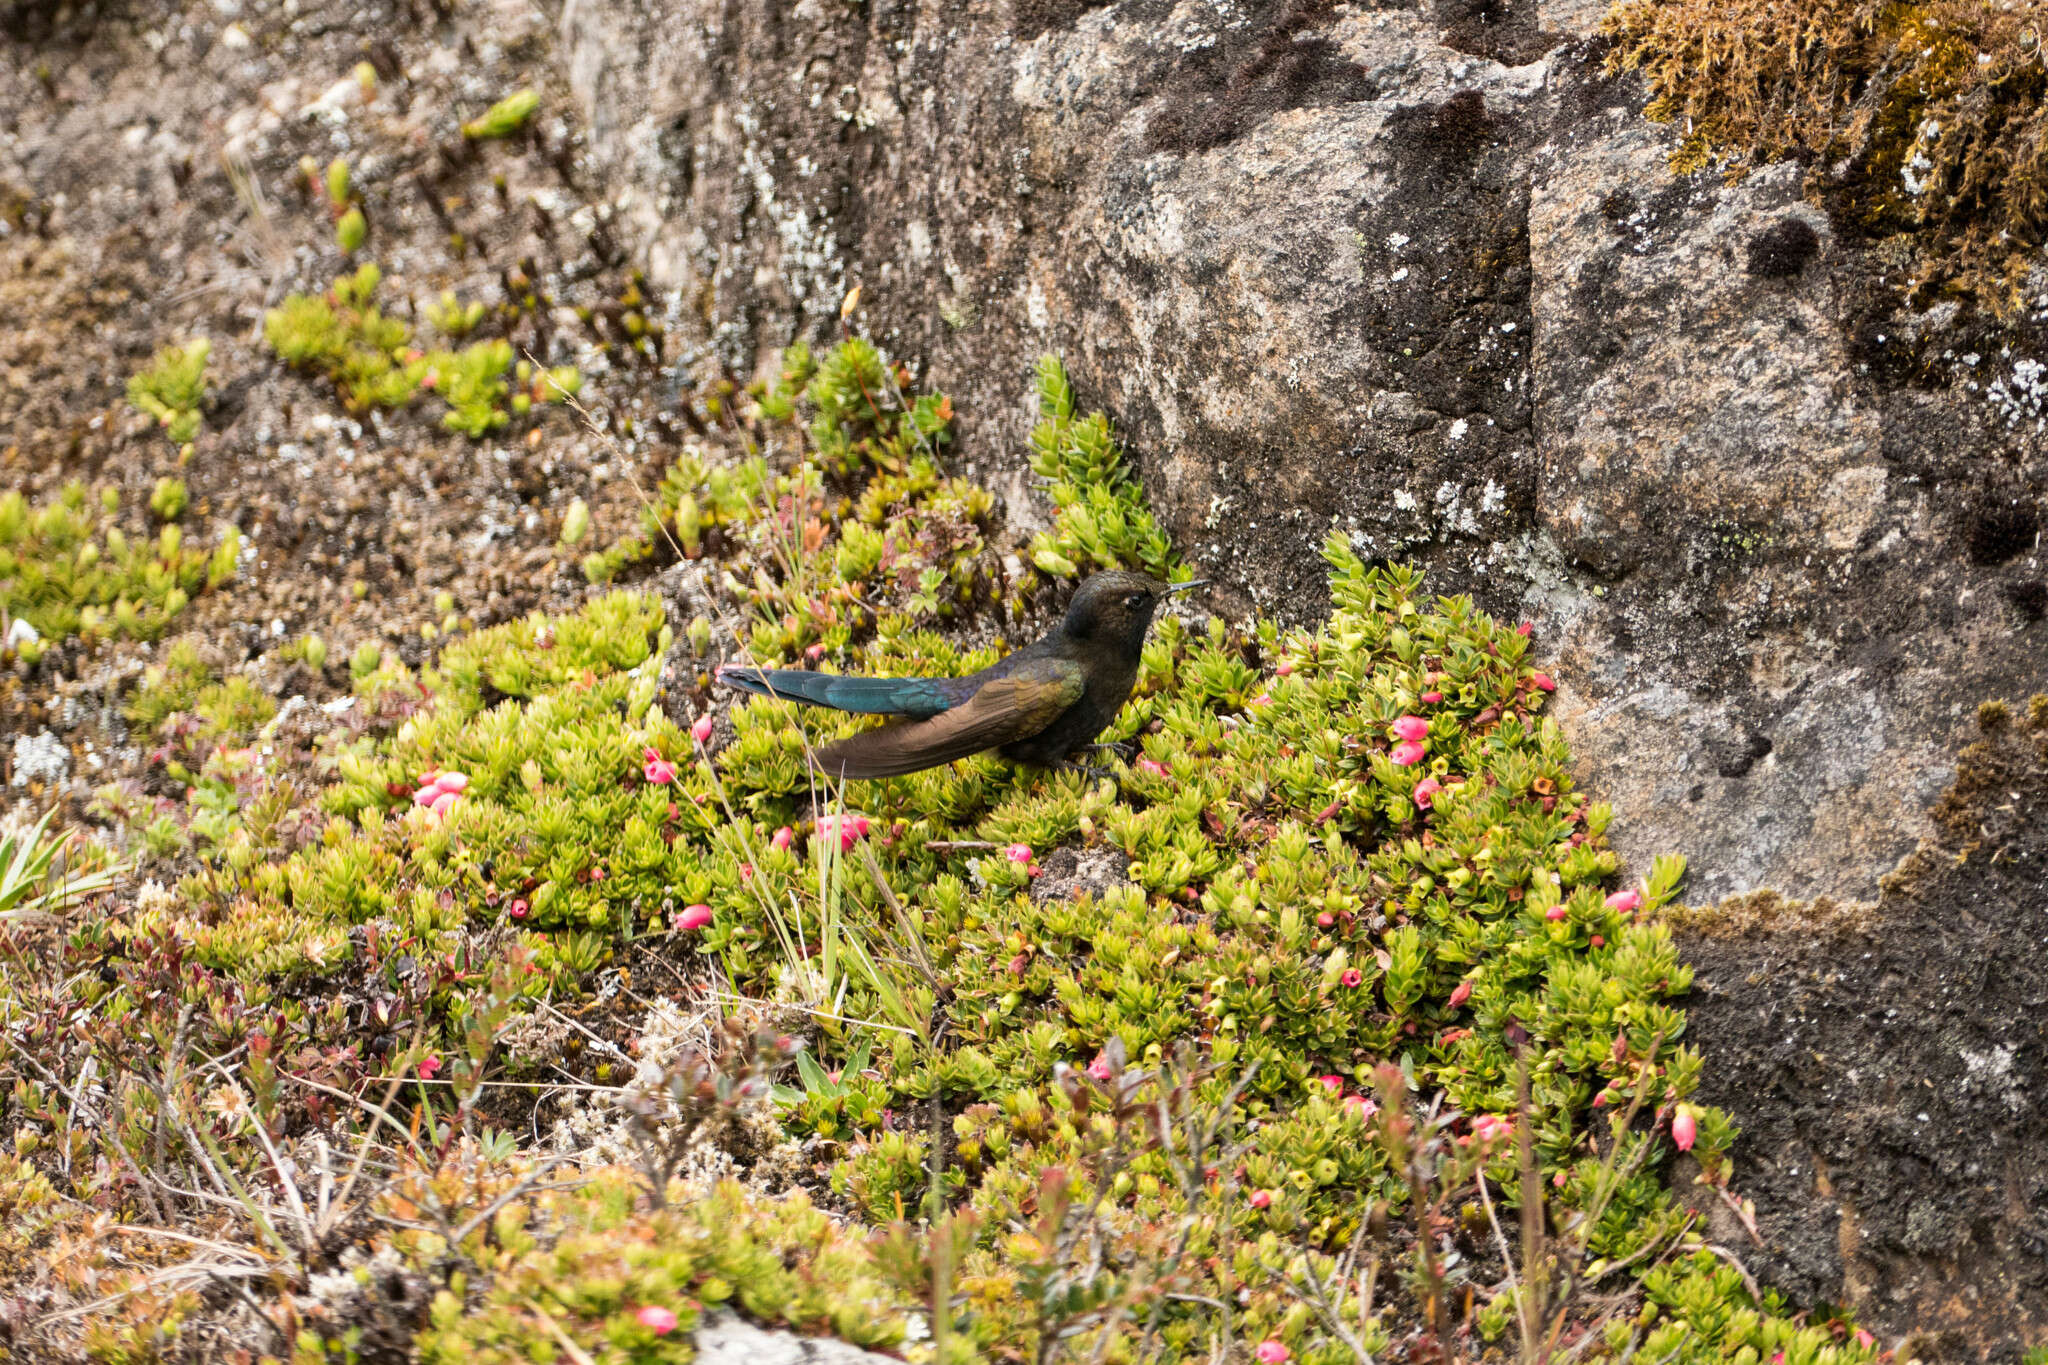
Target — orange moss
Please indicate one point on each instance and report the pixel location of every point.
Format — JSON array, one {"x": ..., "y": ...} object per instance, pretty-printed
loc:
[{"x": 1919, "y": 117}]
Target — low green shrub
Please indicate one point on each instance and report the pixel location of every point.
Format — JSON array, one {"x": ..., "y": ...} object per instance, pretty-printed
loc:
[
  {"x": 173, "y": 387},
  {"x": 68, "y": 569},
  {"x": 1348, "y": 853}
]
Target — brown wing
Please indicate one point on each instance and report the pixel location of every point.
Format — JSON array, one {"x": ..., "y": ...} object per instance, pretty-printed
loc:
[{"x": 1004, "y": 710}]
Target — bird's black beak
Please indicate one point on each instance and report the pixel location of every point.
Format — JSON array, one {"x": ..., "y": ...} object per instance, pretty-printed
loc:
[{"x": 1173, "y": 588}]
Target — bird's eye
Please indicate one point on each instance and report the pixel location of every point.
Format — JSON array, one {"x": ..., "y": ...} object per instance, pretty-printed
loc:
[{"x": 1136, "y": 599}]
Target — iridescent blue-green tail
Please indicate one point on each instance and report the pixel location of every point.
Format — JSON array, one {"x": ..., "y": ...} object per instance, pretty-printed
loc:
[{"x": 863, "y": 696}]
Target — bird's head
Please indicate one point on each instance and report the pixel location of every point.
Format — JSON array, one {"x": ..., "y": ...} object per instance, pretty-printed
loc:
[{"x": 1115, "y": 609}]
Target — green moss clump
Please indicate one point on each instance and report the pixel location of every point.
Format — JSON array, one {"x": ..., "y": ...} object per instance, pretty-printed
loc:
[
  {"x": 68, "y": 570},
  {"x": 508, "y": 116},
  {"x": 173, "y": 387}
]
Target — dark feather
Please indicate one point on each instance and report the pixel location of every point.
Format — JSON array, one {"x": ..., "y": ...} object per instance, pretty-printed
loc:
[
  {"x": 863, "y": 696},
  {"x": 1001, "y": 712}
]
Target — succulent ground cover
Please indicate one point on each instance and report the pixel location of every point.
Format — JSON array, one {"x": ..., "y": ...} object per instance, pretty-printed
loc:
[
  {"x": 69, "y": 568},
  {"x": 1359, "y": 1052}
]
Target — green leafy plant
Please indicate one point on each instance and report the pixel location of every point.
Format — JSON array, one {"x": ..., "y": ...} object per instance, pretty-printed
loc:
[
  {"x": 369, "y": 357},
  {"x": 454, "y": 317},
  {"x": 337, "y": 183},
  {"x": 1102, "y": 522},
  {"x": 173, "y": 387},
  {"x": 508, "y": 116},
  {"x": 472, "y": 380},
  {"x": 351, "y": 230},
  {"x": 167, "y": 499},
  {"x": 68, "y": 570},
  {"x": 1352, "y": 868},
  {"x": 36, "y": 875},
  {"x": 576, "y": 522}
]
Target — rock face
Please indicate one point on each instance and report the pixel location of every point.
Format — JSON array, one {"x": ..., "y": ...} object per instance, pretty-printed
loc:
[
  {"x": 729, "y": 1339},
  {"x": 1419, "y": 273},
  {"x": 1897, "y": 1072}
]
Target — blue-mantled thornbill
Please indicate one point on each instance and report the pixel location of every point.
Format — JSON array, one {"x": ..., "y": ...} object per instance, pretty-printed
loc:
[{"x": 1041, "y": 705}]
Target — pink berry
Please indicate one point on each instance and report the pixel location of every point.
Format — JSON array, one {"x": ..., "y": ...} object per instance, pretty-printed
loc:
[
  {"x": 1432, "y": 697},
  {"x": 1152, "y": 767},
  {"x": 519, "y": 909},
  {"x": 1263, "y": 699},
  {"x": 1555, "y": 913},
  {"x": 1332, "y": 1083},
  {"x": 1099, "y": 1069},
  {"x": 1544, "y": 681},
  {"x": 1325, "y": 920},
  {"x": 429, "y": 1068},
  {"x": 1411, "y": 727},
  {"x": 784, "y": 837},
  {"x": 444, "y": 803},
  {"x": 659, "y": 1321},
  {"x": 1425, "y": 792},
  {"x": 1684, "y": 1128},
  {"x": 1407, "y": 754},
  {"x": 700, "y": 729},
  {"x": 1019, "y": 853},
  {"x": 693, "y": 917},
  {"x": 849, "y": 830},
  {"x": 1461, "y": 994},
  {"x": 1261, "y": 1199},
  {"x": 1621, "y": 902},
  {"x": 1284, "y": 670},
  {"x": 1352, "y": 977},
  {"x": 1273, "y": 1353}
]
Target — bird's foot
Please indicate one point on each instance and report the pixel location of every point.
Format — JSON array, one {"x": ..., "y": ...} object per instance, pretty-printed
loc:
[
  {"x": 1085, "y": 769},
  {"x": 1122, "y": 748}
]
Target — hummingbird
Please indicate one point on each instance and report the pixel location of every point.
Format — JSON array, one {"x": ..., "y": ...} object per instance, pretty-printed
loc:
[{"x": 1040, "y": 706}]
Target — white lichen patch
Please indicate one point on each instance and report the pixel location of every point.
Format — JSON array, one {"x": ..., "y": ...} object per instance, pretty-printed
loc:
[
  {"x": 40, "y": 758},
  {"x": 1991, "y": 1070},
  {"x": 2022, "y": 397}
]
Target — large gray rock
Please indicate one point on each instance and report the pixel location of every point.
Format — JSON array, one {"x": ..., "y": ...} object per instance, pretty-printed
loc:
[
  {"x": 1421, "y": 274},
  {"x": 729, "y": 1339}
]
